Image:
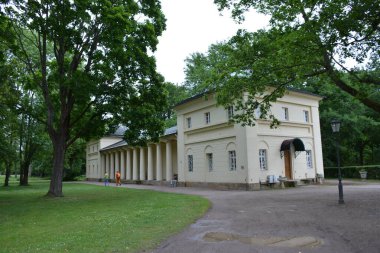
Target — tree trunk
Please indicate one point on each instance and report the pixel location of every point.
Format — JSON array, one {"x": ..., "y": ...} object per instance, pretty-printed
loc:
[
  {"x": 361, "y": 155},
  {"x": 55, "y": 189},
  {"x": 7, "y": 173},
  {"x": 24, "y": 173},
  {"x": 30, "y": 150}
]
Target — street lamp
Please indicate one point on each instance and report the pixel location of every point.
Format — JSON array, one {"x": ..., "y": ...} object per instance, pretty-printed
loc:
[{"x": 335, "y": 125}]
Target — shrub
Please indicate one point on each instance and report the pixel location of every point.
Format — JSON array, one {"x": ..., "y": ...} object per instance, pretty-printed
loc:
[{"x": 373, "y": 171}]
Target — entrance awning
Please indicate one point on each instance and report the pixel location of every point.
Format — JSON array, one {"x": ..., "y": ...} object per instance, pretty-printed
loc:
[{"x": 297, "y": 143}]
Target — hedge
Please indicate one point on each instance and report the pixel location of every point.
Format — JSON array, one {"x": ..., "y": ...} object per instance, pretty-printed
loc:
[{"x": 373, "y": 172}]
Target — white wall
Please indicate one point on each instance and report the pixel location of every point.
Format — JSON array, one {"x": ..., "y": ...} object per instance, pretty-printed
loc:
[
  {"x": 220, "y": 170},
  {"x": 262, "y": 136},
  {"x": 93, "y": 159},
  {"x": 248, "y": 140},
  {"x": 218, "y": 137}
]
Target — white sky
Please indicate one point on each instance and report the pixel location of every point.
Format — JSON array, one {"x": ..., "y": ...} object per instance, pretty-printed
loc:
[{"x": 192, "y": 26}]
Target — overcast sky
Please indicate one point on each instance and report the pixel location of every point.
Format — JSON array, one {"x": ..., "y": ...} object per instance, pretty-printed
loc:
[{"x": 192, "y": 26}]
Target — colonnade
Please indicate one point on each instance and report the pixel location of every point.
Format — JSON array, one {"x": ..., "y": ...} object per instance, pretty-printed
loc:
[{"x": 139, "y": 163}]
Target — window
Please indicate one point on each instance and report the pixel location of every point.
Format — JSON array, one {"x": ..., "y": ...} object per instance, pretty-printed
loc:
[
  {"x": 232, "y": 159},
  {"x": 263, "y": 159},
  {"x": 207, "y": 117},
  {"x": 257, "y": 113},
  {"x": 306, "y": 116},
  {"x": 190, "y": 162},
  {"x": 285, "y": 113},
  {"x": 309, "y": 159},
  {"x": 188, "y": 120},
  {"x": 209, "y": 161},
  {"x": 230, "y": 112}
]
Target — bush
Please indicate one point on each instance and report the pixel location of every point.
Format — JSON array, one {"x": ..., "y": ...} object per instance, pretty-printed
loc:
[
  {"x": 373, "y": 172},
  {"x": 80, "y": 178}
]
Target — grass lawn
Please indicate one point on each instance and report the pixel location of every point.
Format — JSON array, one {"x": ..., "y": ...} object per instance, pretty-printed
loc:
[{"x": 91, "y": 218}]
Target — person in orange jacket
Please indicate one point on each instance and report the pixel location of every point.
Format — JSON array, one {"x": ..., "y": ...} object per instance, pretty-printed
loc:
[{"x": 118, "y": 176}]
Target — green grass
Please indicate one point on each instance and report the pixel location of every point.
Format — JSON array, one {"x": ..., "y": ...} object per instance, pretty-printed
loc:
[{"x": 91, "y": 218}]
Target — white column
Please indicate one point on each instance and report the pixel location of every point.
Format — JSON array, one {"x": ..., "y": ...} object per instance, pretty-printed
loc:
[
  {"x": 122, "y": 163},
  {"x": 169, "y": 162},
  {"x": 142, "y": 164},
  {"x": 150, "y": 162},
  {"x": 102, "y": 165},
  {"x": 108, "y": 163},
  {"x": 112, "y": 165},
  {"x": 129, "y": 165},
  {"x": 159, "y": 162},
  {"x": 117, "y": 164},
  {"x": 134, "y": 161}
]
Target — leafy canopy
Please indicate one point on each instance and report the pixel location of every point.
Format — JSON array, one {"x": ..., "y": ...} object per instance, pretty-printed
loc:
[
  {"x": 90, "y": 64},
  {"x": 306, "y": 40}
]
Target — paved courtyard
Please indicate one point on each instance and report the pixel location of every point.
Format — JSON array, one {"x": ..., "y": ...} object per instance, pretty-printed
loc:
[{"x": 302, "y": 219}]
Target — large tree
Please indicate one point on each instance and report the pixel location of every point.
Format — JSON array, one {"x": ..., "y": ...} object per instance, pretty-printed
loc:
[
  {"x": 359, "y": 125},
  {"x": 337, "y": 39},
  {"x": 90, "y": 62},
  {"x": 8, "y": 137}
]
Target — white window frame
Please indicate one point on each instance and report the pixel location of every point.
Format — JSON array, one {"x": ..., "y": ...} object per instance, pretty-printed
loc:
[
  {"x": 306, "y": 116},
  {"x": 230, "y": 112},
  {"x": 285, "y": 111},
  {"x": 188, "y": 122},
  {"x": 232, "y": 160},
  {"x": 207, "y": 117},
  {"x": 263, "y": 159},
  {"x": 209, "y": 159},
  {"x": 190, "y": 163},
  {"x": 309, "y": 159}
]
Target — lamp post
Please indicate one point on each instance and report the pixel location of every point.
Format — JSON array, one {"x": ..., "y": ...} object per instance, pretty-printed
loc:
[{"x": 335, "y": 125}]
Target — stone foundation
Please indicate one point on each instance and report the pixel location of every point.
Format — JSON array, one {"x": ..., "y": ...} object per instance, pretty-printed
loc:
[{"x": 209, "y": 185}]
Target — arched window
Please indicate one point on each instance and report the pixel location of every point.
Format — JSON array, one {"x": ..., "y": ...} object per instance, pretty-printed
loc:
[
  {"x": 263, "y": 155},
  {"x": 231, "y": 152}
]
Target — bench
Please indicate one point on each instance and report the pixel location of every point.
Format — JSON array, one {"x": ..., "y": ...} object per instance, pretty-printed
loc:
[{"x": 266, "y": 183}]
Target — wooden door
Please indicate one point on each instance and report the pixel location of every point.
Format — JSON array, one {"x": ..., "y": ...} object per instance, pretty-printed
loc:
[{"x": 288, "y": 164}]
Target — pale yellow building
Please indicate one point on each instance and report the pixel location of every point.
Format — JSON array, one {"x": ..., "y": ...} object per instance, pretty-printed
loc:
[{"x": 205, "y": 149}]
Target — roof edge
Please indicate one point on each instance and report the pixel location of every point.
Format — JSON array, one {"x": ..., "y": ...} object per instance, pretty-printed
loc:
[{"x": 208, "y": 92}]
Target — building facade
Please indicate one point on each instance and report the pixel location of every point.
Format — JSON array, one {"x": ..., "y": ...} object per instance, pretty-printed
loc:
[{"x": 205, "y": 149}]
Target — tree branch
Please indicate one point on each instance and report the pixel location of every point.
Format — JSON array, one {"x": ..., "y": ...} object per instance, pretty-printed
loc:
[
  {"x": 80, "y": 116},
  {"x": 79, "y": 133},
  {"x": 345, "y": 87},
  {"x": 93, "y": 47}
]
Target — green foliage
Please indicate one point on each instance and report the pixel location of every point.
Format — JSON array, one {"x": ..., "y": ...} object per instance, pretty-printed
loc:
[
  {"x": 75, "y": 161},
  {"x": 359, "y": 135},
  {"x": 88, "y": 63},
  {"x": 306, "y": 40},
  {"x": 92, "y": 218},
  {"x": 175, "y": 95},
  {"x": 373, "y": 172},
  {"x": 43, "y": 162}
]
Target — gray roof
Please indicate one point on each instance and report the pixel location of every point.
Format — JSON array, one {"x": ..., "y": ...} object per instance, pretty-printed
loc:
[
  {"x": 115, "y": 145},
  {"x": 304, "y": 92},
  {"x": 192, "y": 98},
  {"x": 207, "y": 92},
  {"x": 169, "y": 131},
  {"x": 120, "y": 132}
]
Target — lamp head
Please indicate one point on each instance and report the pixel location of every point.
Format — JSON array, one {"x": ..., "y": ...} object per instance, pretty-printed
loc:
[{"x": 335, "y": 125}]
